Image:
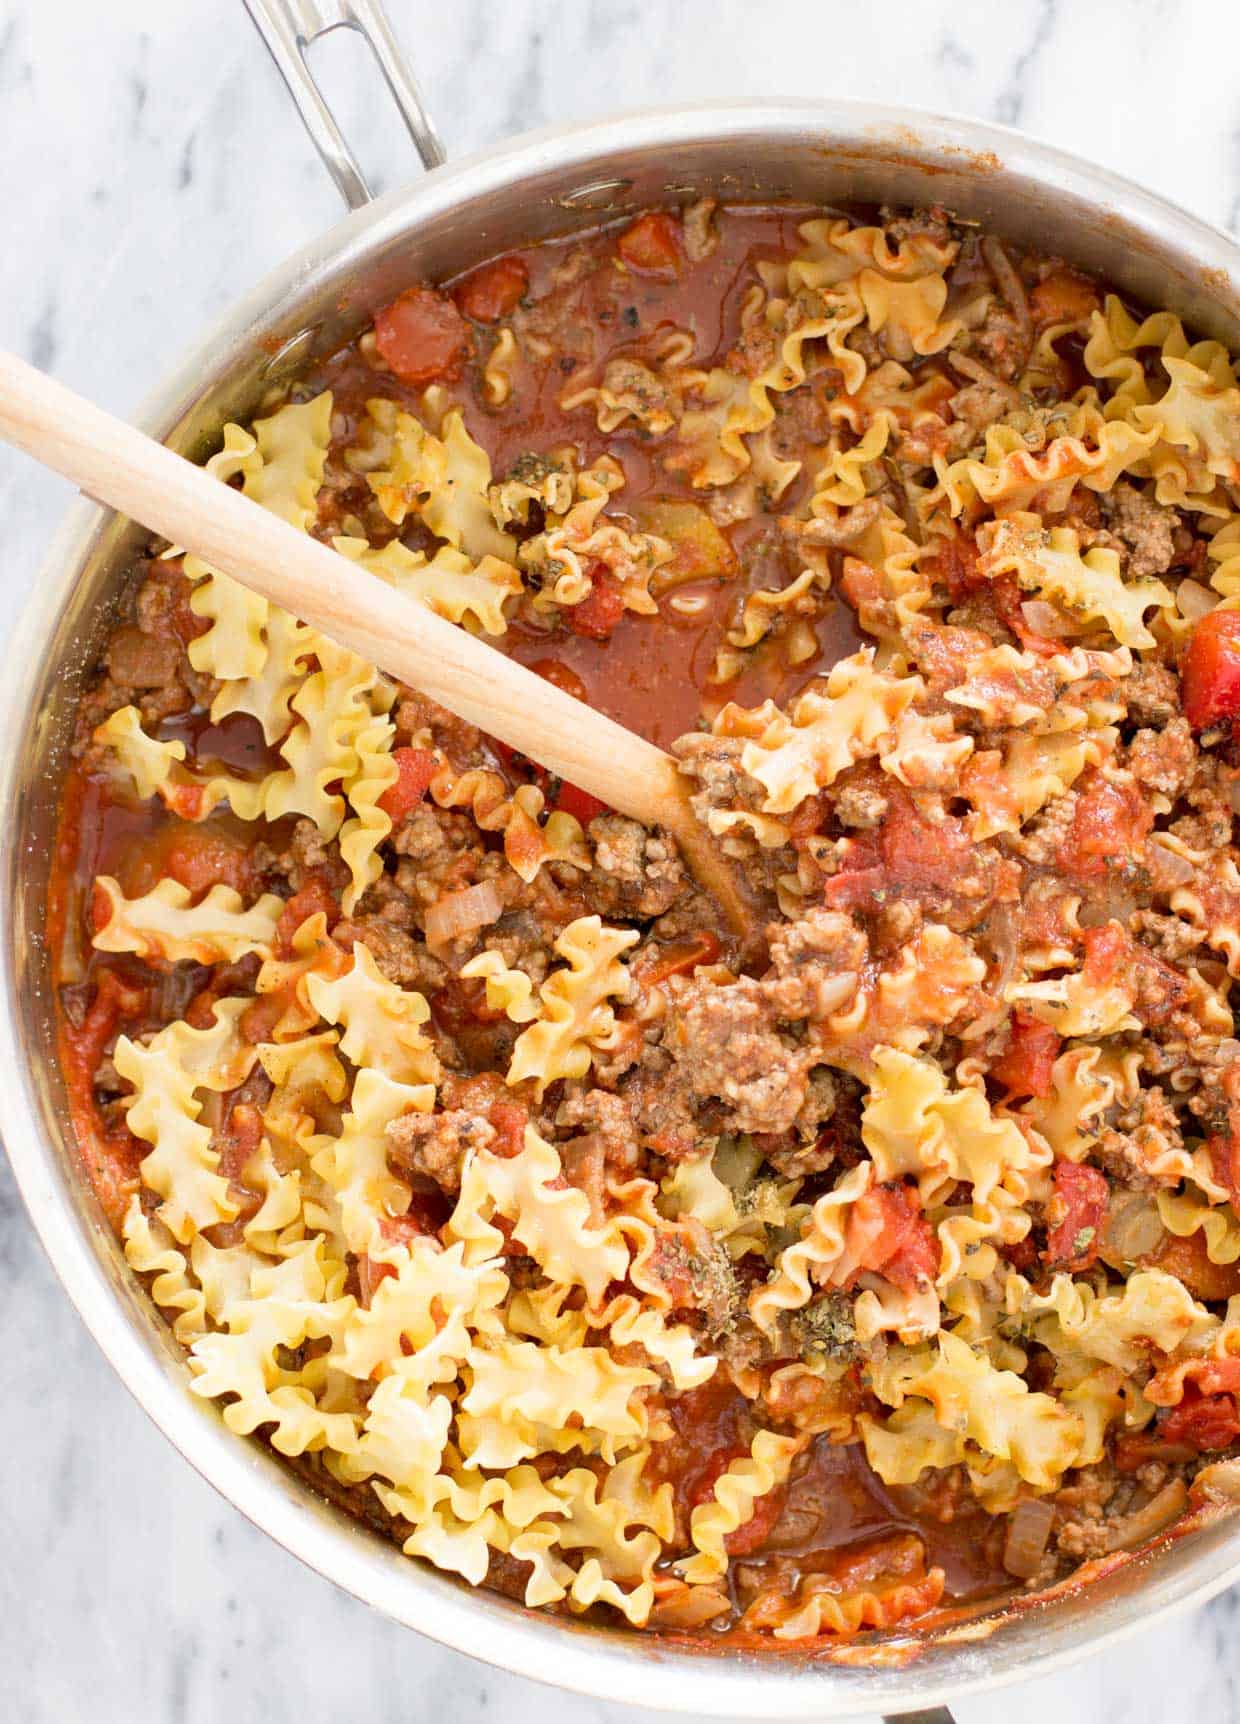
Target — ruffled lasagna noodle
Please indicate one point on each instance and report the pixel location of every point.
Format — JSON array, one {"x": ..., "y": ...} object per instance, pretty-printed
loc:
[{"x": 436, "y": 1109}]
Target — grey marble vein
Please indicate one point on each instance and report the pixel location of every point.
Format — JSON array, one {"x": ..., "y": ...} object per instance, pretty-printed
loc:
[
  {"x": 1012, "y": 99},
  {"x": 153, "y": 171}
]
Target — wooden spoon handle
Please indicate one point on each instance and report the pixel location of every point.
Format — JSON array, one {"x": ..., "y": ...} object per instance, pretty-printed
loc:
[{"x": 133, "y": 474}]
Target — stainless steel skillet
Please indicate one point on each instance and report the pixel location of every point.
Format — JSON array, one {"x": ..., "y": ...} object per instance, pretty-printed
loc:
[{"x": 548, "y": 183}]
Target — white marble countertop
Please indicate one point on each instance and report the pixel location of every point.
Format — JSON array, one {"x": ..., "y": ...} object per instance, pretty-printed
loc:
[{"x": 153, "y": 171}]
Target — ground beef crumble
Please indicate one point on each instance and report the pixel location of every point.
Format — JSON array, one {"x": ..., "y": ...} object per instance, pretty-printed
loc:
[
  {"x": 726, "y": 1042},
  {"x": 436, "y": 1144}
]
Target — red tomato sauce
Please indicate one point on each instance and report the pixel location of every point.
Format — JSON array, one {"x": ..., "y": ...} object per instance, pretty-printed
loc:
[
  {"x": 836, "y": 1502},
  {"x": 651, "y": 674}
]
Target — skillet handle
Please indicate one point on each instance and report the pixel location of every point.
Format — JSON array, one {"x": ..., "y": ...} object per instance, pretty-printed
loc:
[
  {"x": 290, "y": 27},
  {"x": 935, "y": 1715}
]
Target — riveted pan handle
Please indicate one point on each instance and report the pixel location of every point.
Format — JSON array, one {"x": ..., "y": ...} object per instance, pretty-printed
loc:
[{"x": 289, "y": 27}]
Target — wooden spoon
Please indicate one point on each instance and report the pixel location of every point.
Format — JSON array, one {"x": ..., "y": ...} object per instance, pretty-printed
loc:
[{"x": 140, "y": 478}]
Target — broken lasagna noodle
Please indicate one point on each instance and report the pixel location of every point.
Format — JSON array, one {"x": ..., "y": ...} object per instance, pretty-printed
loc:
[{"x": 431, "y": 1098}]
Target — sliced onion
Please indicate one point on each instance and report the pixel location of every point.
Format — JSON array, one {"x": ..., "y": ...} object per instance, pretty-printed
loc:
[
  {"x": 1163, "y": 1507},
  {"x": 800, "y": 643},
  {"x": 1172, "y": 868},
  {"x": 1027, "y": 1533},
  {"x": 699, "y": 550},
  {"x": 1044, "y": 619},
  {"x": 1004, "y": 942},
  {"x": 1219, "y": 1479},
  {"x": 737, "y": 1160},
  {"x": 1133, "y": 1230},
  {"x": 689, "y": 1607},
  {"x": 71, "y": 968},
  {"x": 976, "y": 372},
  {"x": 458, "y": 913},
  {"x": 1008, "y": 282},
  {"x": 584, "y": 1162},
  {"x": 1004, "y": 936},
  {"x": 1001, "y": 929},
  {"x": 1112, "y": 904},
  {"x": 1194, "y": 600}
]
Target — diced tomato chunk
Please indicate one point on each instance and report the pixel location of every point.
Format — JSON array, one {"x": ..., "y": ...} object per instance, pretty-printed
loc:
[
  {"x": 1111, "y": 953},
  {"x": 1202, "y": 1421},
  {"x": 957, "y": 567},
  {"x": 415, "y": 767},
  {"x": 1062, "y": 298},
  {"x": 1106, "y": 948},
  {"x": 855, "y": 888},
  {"x": 314, "y": 896},
  {"x": 401, "y": 1229},
  {"x": 916, "y": 1261},
  {"x": 1077, "y": 1212},
  {"x": 580, "y": 804},
  {"x": 1216, "y": 1376},
  {"x": 1224, "y": 1153},
  {"x": 197, "y": 857},
  {"x": 202, "y": 859},
  {"x": 916, "y": 1258},
  {"x": 600, "y": 611},
  {"x": 1026, "y": 1065},
  {"x": 510, "y": 1120},
  {"x": 919, "y": 852},
  {"x": 651, "y": 244},
  {"x": 1109, "y": 823},
  {"x": 423, "y": 337},
  {"x": 888, "y": 1234},
  {"x": 492, "y": 291},
  {"x": 1210, "y": 674},
  {"x": 911, "y": 855}
]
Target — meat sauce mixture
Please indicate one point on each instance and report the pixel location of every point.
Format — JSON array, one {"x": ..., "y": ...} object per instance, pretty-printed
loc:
[{"x": 786, "y": 1298}]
